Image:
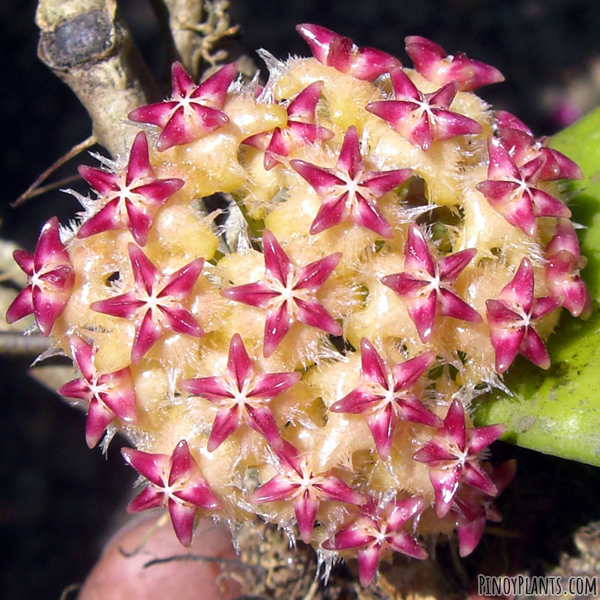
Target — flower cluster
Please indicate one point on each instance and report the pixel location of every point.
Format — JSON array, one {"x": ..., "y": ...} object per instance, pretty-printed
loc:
[{"x": 400, "y": 245}]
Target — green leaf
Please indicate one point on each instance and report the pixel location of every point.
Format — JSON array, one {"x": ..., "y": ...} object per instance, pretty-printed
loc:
[{"x": 558, "y": 411}]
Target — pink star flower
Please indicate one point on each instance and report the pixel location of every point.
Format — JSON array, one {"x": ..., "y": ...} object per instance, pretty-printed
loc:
[
  {"x": 298, "y": 482},
  {"x": 563, "y": 263},
  {"x": 334, "y": 50},
  {"x": 511, "y": 190},
  {"x": 385, "y": 397},
  {"x": 451, "y": 455},
  {"x": 50, "y": 280},
  {"x": 434, "y": 64},
  {"x": 522, "y": 145},
  {"x": 422, "y": 118},
  {"x": 510, "y": 318},
  {"x": 299, "y": 130},
  {"x": 193, "y": 111},
  {"x": 377, "y": 529},
  {"x": 349, "y": 192},
  {"x": 242, "y": 396},
  {"x": 472, "y": 508},
  {"x": 109, "y": 395},
  {"x": 288, "y": 294},
  {"x": 175, "y": 482},
  {"x": 128, "y": 199},
  {"x": 424, "y": 284},
  {"x": 156, "y": 304}
]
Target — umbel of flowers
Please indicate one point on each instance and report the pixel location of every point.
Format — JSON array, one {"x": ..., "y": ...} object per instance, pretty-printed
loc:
[{"x": 314, "y": 367}]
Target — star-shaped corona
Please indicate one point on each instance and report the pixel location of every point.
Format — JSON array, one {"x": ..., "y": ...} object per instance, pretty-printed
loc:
[
  {"x": 242, "y": 396},
  {"x": 385, "y": 395},
  {"x": 109, "y": 395},
  {"x": 512, "y": 191},
  {"x": 193, "y": 111},
  {"x": 50, "y": 280},
  {"x": 299, "y": 130},
  {"x": 130, "y": 198},
  {"x": 452, "y": 457},
  {"x": 425, "y": 285},
  {"x": 511, "y": 317},
  {"x": 288, "y": 293},
  {"x": 378, "y": 529},
  {"x": 306, "y": 489},
  {"x": 156, "y": 304},
  {"x": 350, "y": 192},
  {"x": 423, "y": 118},
  {"x": 175, "y": 482}
]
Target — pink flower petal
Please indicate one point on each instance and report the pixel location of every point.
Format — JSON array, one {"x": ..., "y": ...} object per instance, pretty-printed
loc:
[
  {"x": 481, "y": 437},
  {"x": 450, "y": 267},
  {"x": 277, "y": 263},
  {"x": 261, "y": 419},
  {"x": 147, "y": 334},
  {"x": 182, "y": 517},
  {"x": 382, "y": 425},
  {"x": 404, "y": 543},
  {"x": 152, "y": 466},
  {"x": 476, "y": 477},
  {"x": 352, "y": 536},
  {"x": 180, "y": 320},
  {"x": 276, "y": 489},
  {"x": 314, "y": 275},
  {"x": 373, "y": 368},
  {"x": 519, "y": 290},
  {"x": 148, "y": 498},
  {"x": 277, "y": 324},
  {"x": 21, "y": 306},
  {"x": 453, "y": 306},
  {"x": 211, "y": 388},
  {"x": 226, "y": 421},
  {"x": 355, "y": 402},
  {"x": 98, "y": 419},
  {"x": 311, "y": 312},
  {"x": 306, "y": 509},
  {"x": 139, "y": 160},
  {"x": 445, "y": 483},
  {"x": 258, "y": 294},
  {"x": 407, "y": 373},
  {"x": 269, "y": 385},
  {"x": 336, "y": 490},
  {"x": 417, "y": 254},
  {"x": 422, "y": 312},
  {"x": 533, "y": 349},
  {"x": 368, "y": 561},
  {"x": 239, "y": 366}
]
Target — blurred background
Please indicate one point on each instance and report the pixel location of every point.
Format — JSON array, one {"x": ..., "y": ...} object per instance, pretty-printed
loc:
[{"x": 58, "y": 500}]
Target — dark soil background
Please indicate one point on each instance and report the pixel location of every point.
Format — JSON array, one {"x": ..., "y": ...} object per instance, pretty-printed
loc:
[{"x": 58, "y": 500}]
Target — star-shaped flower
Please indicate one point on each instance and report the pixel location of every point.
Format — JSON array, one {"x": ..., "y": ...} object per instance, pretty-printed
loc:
[
  {"x": 522, "y": 145},
  {"x": 385, "y": 397},
  {"x": 130, "y": 198},
  {"x": 434, "y": 64},
  {"x": 511, "y": 190},
  {"x": 511, "y": 318},
  {"x": 334, "y": 50},
  {"x": 563, "y": 263},
  {"x": 50, "y": 280},
  {"x": 288, "y": 293},
  {"x": 193, "y": 111},
  {"x": 175, "y": 482},
  {"x": 472, "y": 508},
  {"x": 424, "y": 284},
  {"x": 299, "y": 130},
  {"x": 349, "y": 192},
  {"x": 109, "y": 395},
  {"x": 297, "y": 482},
  {"x": 156, "y": 303},
  {"x": 377, "y": 529},
  {"x": 451, "y": 456},
  {"x": 422, "y": 118},
  {"x": 242, "y": 396}
]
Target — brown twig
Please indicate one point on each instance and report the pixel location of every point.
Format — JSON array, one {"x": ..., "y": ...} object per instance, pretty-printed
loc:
[
  {"x": 34, "y": 189},
  {"x": 85, "y": 43}
]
